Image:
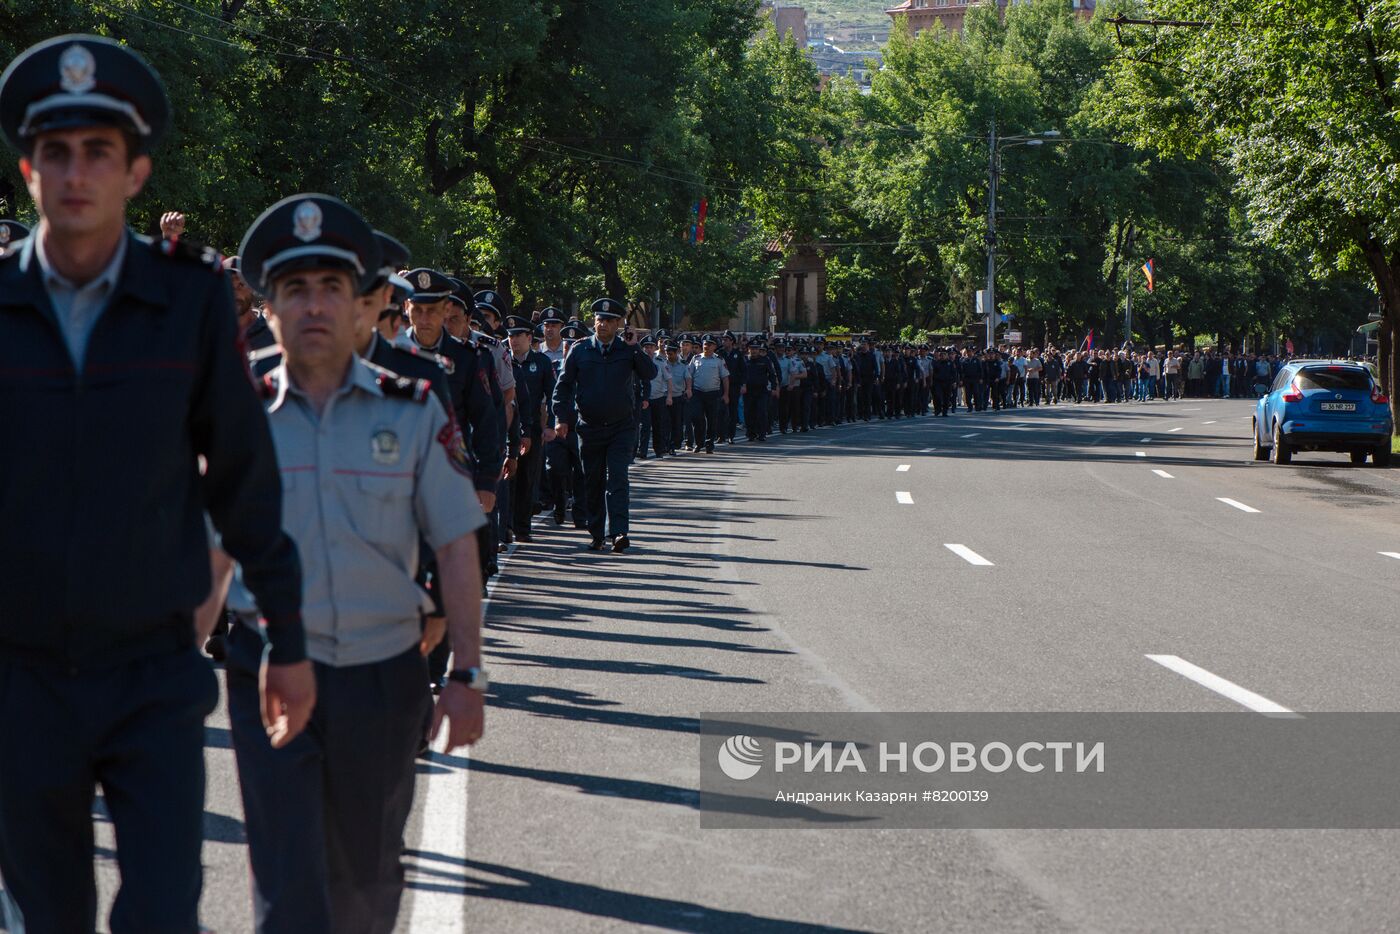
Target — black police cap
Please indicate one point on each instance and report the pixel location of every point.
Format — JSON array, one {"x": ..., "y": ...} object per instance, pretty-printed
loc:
[
  {"x": 551, "y": 315},
  {"x": 12, "y": 232},
  {"x": 608, "y": 308},
  {"x": 76, "y": 81},
  {"x": 393, "y": 255},
  {"x": 672, "y": 345},
  {"x": 709, "y": 339},
  {"x": 518, "y": 325},
  {"x": 492, "y": 302},
  {"x": 649, "y": 340},
  {"x": 428, "y": 285},
  {"x": 572, "y": 332},
  {"x": 308, "y": 231}
]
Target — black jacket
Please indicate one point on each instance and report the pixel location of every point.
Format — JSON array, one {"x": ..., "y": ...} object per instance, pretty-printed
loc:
[
  {"x": 103, "y": 547},
  {"x": 596, "y": 388}
]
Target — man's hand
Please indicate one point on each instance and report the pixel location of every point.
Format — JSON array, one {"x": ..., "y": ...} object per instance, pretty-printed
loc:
[
  {"x": 524, "y": 446},
  {"x": 548, "y": 435},
  {"x": 561, "y": 429},
  {"x": 743, "y": 390},
  {"x": 487, "y": 499},
  {"x": 434, "y": 628},
  {"x": 724, "y": 398},
  {"x": 645, "y": 405},
  {"x": 465, "y": 712},
  {"x": 288, "y": 696},
  {"x": 509, "y": 470},
  {"x": 668, "y": 400},
  {"x": 172, "y": 224}
]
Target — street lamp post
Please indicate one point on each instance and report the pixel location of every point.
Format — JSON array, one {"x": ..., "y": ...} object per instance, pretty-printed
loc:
[{"x": 995, "y": 144}]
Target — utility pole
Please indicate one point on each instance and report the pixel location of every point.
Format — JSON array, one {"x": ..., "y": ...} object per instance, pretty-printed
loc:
[
  {"x": 1128, "y": 305},
  {"x": 990, "y": 306}
]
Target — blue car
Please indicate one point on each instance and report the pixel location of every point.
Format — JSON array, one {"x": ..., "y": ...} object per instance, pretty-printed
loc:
[{"x": 1322, "y": 405}]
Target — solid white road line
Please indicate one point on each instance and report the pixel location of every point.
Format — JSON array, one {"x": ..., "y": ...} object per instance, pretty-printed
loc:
[
  {"x": 972, "y": 434},
  {"x": 1196, "y": 409},
  {"x": 1140, "y": 453},
  {"x": 927, "y": 450},
  {"x": 1212, "y": 422},
  {"x": 1164, "y": 475},
  {"x": 1391, "y": 554},
  {"x": 902, "y": 468},
  {"x": 1145, "y": 441},
  {"x": 968, "y": 555},
  {"x": 1241, "y": 696},
  {"x": 1236, "y": 503},
  {"x": 904, "y": 498},
  {"x": 444, "y": 822},
  {"x": 1174, "y": 429}
]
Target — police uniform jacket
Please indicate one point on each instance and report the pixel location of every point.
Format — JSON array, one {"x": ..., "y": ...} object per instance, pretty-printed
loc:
[
  {"x": 736, "y": 362},
  {"x": 596, "y": 386},
  {"x": 476, "y": 404},
  {"x": 104, "y": 545},
  {"x": 382, "y": 466},
  {"x": 535, "y": 374}
]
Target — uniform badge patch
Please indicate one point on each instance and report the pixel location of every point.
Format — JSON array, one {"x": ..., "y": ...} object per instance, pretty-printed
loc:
[
  {"x": 77, "y": 70},
  {"x": 384, "y": 446},
  {"x": 533, "y": 366},
  {"x": 306, "y": 222},
  {"x": 456, "y": 447},
  {"x": 424, "y": 280}
]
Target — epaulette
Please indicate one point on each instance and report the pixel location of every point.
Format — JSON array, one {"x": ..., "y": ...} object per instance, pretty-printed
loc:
[
  {"x": 428, "y": 355},
  {"x": 190, "y": 252},
  {"x": 262, "y": 353},
  {"x": 404, "y": 388}
]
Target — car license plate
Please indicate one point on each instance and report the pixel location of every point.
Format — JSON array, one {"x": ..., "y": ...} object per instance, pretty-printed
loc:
[{"x": 1339, "y": 406}]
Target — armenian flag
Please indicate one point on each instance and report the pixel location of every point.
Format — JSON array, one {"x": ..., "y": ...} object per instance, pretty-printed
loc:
[{"x": 1149, "y": 270}]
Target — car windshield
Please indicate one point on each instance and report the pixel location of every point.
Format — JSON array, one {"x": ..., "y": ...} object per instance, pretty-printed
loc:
[{"x": 1333, "y": 377}]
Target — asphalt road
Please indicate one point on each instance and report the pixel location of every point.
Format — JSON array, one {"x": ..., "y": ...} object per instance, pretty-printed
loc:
[{"x": 813, "y": 574}]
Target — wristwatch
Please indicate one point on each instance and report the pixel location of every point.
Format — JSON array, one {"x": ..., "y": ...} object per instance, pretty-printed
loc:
[{"x": 474, "y": 678}]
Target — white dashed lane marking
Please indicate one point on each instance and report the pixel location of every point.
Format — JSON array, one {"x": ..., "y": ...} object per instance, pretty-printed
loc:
[
  {"x": 1145, "y": 441},
  {"x": 1242, "y": 696},
  {"x": 1208, "y": 423},
  {"x": 904, "y": 497},
  {"x": 1391, "y": 554},
  {"x": 972, "y": 434},
  {"x": 1164, "y": 475},
  {"x": 968, "y": 555},
  {"x": 1236, "y": 503},
  {"x": 1174, "y": 429},
  {"x": 1139, "y": 453},
  {"x": 902, "y": 468}
]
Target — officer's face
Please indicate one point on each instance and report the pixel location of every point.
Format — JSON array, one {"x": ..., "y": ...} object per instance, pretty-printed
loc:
[
  {"x": 520, "y": 343},
  {"x": 427, "y": 319},
  {"x": 81, "y": 179},
  {"x": 316, "y": 316},
  {"x": 551, "y": 331},
  {"x": 242, "y": 298},
  {"x": 606, "y": 328},
  {"x": 455, "y": 320}
]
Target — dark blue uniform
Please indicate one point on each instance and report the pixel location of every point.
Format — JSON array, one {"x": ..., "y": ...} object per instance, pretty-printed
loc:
[
  {"x": 737, "y": 364},
  {"x": 103, "y": 572},
  {"x": 595, "y": 394},
  {"x": 534, "y": 375}
]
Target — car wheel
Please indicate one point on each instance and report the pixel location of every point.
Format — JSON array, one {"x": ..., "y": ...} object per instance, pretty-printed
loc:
[
  {"x": 1358, "y": 457},
  {"x": 1381, "y": 456},
  {"x": 1261, "y": 453},
  {"x": 1281, "y": 453}
]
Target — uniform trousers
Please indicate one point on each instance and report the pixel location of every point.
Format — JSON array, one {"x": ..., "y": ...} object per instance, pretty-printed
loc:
[
  {"x": 606, "y": 450},
  {"x": 326, "y": 813},
  {"x": 137, "y": 730},
  {"x": 524, "y": 486},
  {"x": 643, "y": 430},
  {"x": 731, "y": 420},
  {"x": 676, "y": 411},
  {"x": 756, "y": 411},
  {"x": 709, "y": 416},
  {"x": 659, "y": 414}
]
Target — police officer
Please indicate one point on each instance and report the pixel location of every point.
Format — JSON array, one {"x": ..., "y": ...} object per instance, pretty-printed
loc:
[
  {"x": 124, "y": 346},
  {"x": 594, "y": 396},
  {"x": 709, "y": 381},
  {"x": 256, "y": 334},
  {"x": 534, "y": 374},
  {"x": 325, "y": 814},
  {"x": 659, "y": 401},
  {"x": 759, "y": 382},
  {"x": 734, "y": 360}
]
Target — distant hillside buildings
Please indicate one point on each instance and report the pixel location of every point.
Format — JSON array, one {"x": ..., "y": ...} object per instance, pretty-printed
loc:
[{"x": 921, "y": 14}]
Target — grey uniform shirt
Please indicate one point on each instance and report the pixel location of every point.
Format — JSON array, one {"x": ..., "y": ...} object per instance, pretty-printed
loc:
[
  {"x": 505, "y": 373},
  {"x": 678, "y": 373},
  {"x": 706, "y": 373},
  {"x": 359, "y": 483},
  {"x": 661, "y": 382},
  {"x": 78, "y": 307}
]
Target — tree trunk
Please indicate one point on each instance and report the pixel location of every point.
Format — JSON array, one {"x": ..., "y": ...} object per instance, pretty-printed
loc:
[
  {"x": 505, "y": 282},
  {"x": 1386, "y": 272}
]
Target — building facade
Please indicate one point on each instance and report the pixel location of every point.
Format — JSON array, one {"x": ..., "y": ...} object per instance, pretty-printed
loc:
[{"x": 923, "y": 14}]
